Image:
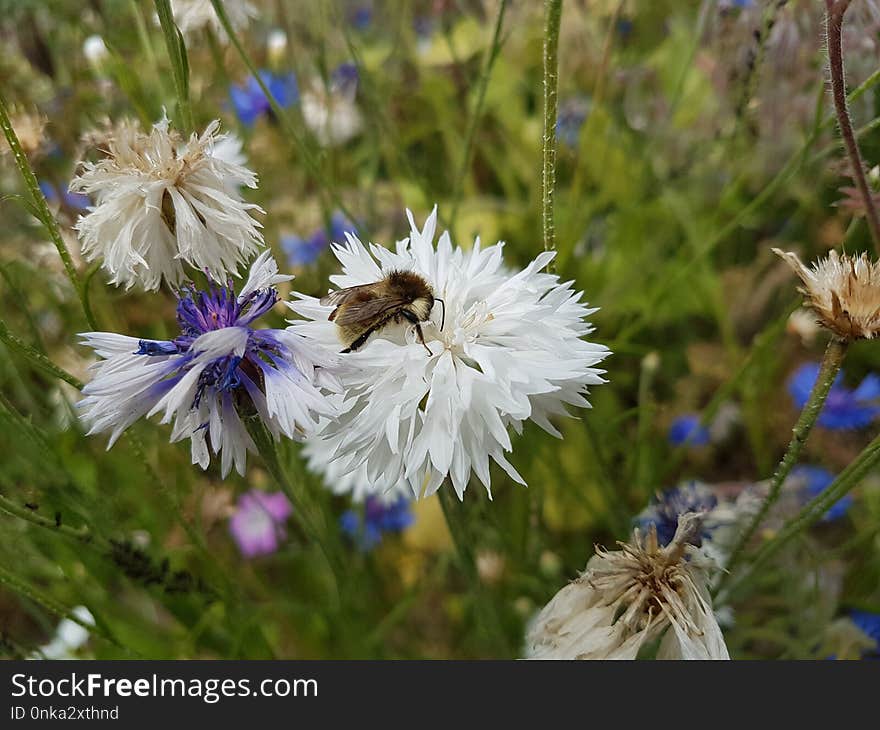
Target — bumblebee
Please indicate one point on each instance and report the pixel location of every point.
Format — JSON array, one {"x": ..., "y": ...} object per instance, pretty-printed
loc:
[{"x": 402, "y": 296}]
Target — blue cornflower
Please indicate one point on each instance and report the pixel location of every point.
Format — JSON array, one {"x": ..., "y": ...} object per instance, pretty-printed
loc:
[
  {"x": 218, "y": 363},
  {"x": 344, "y": 79},
  {"x": 666, "y": 507},
  {"x": 366, "y": 527},
  {"x": 250, "y": 102},
  {"x": 687, "y": 429},
  {"x": 77, "y": 201},
  {"x": 572, "y": 115},
  {"x": 361, "y": 16},
  {"x": 869, "y": 624},
  {"x": 813, "y": 480},
  {"x": 303, "y": 251},
  {"x": 844, "y": 408}
]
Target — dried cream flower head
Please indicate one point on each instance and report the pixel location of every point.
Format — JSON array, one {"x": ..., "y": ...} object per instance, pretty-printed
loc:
[
  {"x": 193, "y": 16},
  {"x": 30, "y": 128},
  {"x": 631, "y": 596},
  {"x": 843, "y": 291},
  {"x": 161, "y": 201}
]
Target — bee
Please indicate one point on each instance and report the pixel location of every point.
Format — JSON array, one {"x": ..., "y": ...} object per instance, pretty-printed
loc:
[{"x": 402, "y": 296}]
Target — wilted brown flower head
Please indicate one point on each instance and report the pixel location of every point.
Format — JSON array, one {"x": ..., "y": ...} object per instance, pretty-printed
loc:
[{"x": 843, "y": 291}]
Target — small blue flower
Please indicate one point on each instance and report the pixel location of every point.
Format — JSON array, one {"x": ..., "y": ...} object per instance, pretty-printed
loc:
[
  {"x": 814, "y": 480},
  {"x": 572, "y": 115},
  {"x": 844, "y": 408},
  {"x": 304, "y": 251},
  {"x": 869, "y": 624},
  {"x": 76, "y": 201},
  {"x": 250, "y": 102},
  {"x": 361, "y": 16},
  {"x": 665, "y": 509},
  {"x": 344, "y": 79},
  {"x": 367, "y": 527},
  {"x": 688, "y": 430}
]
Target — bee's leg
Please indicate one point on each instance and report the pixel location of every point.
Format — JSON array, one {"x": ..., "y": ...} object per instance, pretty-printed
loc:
[
  {"x": 409, "y": 316},
  {"x": 360, "y": 341}
]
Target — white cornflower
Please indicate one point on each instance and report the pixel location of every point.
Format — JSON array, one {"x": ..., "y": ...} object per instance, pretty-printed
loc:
[
  {"x": 159, "y": 203},
  {"x": 69, "y": 636},
  {"x": 632, "y": 596},
  {"x": 193, "y": 15},
  {"x": 95, "y": 50},
  {"x": 320, "y": 454},
  {"x": 276, "y": 45},
  {"x": 511, "y": 349},
  {"x": 332, "y": 113},
  {"x": 218, "y": 365}
]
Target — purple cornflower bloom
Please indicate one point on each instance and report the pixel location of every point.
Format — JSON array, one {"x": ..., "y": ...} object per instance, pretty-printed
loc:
[
  {"x": 250, "y": 102},
  {"x": 844, "y": 408},
  {"x": 365, "y": 528},
  {"x": 666, "y": 507},
  {"x": 688, "y": 430},
  {"x": 218, "y": 363},
  {"x": 258, "y": 523},
  {"x": 812, "y": 481}
]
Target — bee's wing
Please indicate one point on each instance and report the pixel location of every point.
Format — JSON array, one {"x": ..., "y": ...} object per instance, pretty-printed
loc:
[
  {"x": 369, "y": 309},
  {"x": 340, "y": 295}
]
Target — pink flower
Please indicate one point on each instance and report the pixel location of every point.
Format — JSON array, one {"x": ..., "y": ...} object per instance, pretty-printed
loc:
[{"x": 258, "y": 523}]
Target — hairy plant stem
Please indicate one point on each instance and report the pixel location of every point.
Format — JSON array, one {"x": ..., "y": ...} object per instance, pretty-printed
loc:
[
  {"x": 552, "y": 18},
  {"x": 491, "y": 55},
  {"x": 40, "y": 209},
  {"x": 36, "y": 357},
  {"x": 834, "y": 22},
  {"x": 49, "y": 603},
  {"x": 812, "y": 512},
  {"x": 831, "y": 363},
  {"x": 81, "y": 534}
]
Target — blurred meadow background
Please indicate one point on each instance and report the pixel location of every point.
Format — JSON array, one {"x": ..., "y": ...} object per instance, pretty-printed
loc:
[{"x": 692, "y": 138}]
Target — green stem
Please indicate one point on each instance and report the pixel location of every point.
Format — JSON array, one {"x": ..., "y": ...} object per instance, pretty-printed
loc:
[
  {"x": 81, "y": 534},
  {"x": 179, "y": 64},
  {"x": 36, "y": 357},
  {"x": 41, "y": 208},
  {"x": 552, "y": 18},
  {"x": 470, "y": 134},
  {"x": 811, "y": 513},
  {"x": 306, "y": 512},
  {"x": 831, "y": 363},
  {"x": 457, "y": 526},
  {"x": 50, "y": 604}
]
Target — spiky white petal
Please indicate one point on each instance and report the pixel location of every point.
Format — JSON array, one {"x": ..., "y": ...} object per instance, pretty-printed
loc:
[
  {"x": 159, "y": 204},
  {"x": 194, "y": 15},
  {"x": 511, "y": 349}
]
